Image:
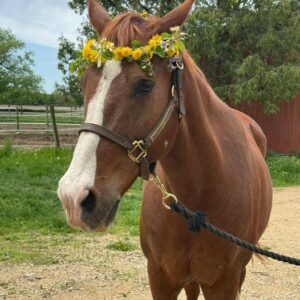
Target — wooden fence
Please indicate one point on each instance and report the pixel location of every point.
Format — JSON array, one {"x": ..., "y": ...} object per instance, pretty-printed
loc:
[
  {"x": 34, "y": 126},
  {"x": 282, "y": 129}
]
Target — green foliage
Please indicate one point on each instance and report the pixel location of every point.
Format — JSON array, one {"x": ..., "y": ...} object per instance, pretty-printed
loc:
[
  {"x": 69, "y": 89},
  {"x": 119, "y": 6},
  {"x": 249, "y": 50},
  {"x": 285, "y": 170},
  {"x": 18, "y": 83}
]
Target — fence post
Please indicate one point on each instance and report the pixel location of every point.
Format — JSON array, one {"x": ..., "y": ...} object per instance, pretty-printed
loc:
[
  {"x": 52, "y": 112},
  {"x": 47, "y": 115},
  {"x": 17, "y": 115}
]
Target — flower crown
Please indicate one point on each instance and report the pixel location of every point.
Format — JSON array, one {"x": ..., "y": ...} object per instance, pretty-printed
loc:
[{"x": 165, "y": 45}]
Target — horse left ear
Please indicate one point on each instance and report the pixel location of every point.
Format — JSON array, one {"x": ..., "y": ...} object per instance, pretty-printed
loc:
[
  {"x": 99, "y": 17},
  {"x": 176, "y": 17}
]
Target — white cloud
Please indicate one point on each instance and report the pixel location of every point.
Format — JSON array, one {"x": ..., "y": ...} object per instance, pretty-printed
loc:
[{"x": 40, "y": 21}]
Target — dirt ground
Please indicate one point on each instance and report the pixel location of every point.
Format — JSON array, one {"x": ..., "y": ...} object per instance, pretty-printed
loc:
[
  {"x": 37, "y": 135},
  {"x": 94, "y": 272}
]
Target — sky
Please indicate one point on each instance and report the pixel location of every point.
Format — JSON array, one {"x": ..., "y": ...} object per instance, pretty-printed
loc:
[{"x": 39, "y": 23}]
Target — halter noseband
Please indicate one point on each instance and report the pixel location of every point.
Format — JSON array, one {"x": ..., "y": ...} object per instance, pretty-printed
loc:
[{"x": 137, "y": 150}]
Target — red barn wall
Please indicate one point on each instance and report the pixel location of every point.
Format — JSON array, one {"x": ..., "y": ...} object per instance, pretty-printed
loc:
[{"x": 282, "y": 129}]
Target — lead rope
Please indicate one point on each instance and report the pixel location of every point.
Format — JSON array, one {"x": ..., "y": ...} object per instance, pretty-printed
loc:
[{"x": 197, "y": 221}]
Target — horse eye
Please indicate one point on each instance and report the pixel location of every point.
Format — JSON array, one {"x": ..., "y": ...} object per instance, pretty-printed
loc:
[{"x": 143, "y": 87}]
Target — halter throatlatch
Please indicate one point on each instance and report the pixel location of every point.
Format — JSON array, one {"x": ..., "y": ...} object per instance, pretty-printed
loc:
[{"x": 137, "y": 149}]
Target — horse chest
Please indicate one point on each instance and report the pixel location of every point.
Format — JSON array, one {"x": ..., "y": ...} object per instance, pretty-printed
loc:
[{"x": 185, "y": 256}]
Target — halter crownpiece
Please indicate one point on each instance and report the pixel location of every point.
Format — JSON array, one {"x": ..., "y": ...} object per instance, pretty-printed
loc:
[{"x": 165, "y": 45}]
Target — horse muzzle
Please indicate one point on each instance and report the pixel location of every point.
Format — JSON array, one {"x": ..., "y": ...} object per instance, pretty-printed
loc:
[{"x": 89, "y": 211}]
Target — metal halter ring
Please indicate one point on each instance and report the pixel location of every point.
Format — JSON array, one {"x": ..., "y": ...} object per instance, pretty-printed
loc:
[
  {"x": 137, "y": 152},
  {"x": 165, "y": 197},
  {"x": 179, "y": 64}
]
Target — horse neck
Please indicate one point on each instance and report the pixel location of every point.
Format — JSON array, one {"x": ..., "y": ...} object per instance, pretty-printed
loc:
[{"x": 196, "y": 155}]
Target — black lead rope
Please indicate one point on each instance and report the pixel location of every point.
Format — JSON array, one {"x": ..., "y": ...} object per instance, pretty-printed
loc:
[{"x": 198, "y": 221}]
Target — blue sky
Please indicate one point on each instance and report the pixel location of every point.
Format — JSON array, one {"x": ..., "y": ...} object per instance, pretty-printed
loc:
[{"x": 39, "y": 23}]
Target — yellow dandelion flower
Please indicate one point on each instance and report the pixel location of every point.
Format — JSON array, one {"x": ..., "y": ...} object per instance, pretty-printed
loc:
[
  {"x": 118, "y": 53},
  {"x": 87, "y": 49},
  {"x": 137, "y": 54},
  {"x": 172, "y": 52},
  {"x": 154, "y": 41},
  {"x": 93, "y": 56},
  {"x": 148, "y": 49},
  {"x": 157, "y": 38},
  {"x": 144, "y": 14},
  {"x": 152, "y": 44},
  {"x": 126, "y": 51}
]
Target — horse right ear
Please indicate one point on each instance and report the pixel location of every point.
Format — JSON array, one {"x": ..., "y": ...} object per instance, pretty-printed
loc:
[
  {"x": 176, "y": 17},
  {"x": 99, "y": 17}
]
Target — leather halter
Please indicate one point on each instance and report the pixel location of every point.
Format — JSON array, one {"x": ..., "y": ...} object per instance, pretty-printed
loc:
[{"x": 137, "y": 150}]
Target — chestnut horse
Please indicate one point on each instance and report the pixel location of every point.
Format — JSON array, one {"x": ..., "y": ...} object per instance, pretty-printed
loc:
[{"x": 212, "y": 160}]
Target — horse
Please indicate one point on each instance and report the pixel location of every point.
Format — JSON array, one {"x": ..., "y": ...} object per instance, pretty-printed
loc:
[{"x": 212, "y": 159}]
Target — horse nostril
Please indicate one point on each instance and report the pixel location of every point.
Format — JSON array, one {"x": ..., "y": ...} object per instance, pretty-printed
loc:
[{"x": 89, "y": 203}]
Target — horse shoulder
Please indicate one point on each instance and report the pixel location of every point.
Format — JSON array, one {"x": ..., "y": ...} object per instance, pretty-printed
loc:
[{"x": 253, "y": 130}]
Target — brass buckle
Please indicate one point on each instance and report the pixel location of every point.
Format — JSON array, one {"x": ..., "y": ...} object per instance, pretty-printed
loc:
[
  {"x": 165, "y": 195},
  {"x": 137, "y": 152}
]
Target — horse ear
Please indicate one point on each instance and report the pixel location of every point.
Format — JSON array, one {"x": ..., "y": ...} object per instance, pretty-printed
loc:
[
  {"x": 99, "y": 17},
  {"x": 176, "y": 17}
]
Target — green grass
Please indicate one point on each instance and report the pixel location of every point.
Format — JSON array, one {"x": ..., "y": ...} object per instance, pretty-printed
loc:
[
  {"x": 41, "y": 119},
  {"x": 31, "y": 216},
  {"x": 28, "y": 199},
  {"x": 29, "y": 206},
  {"x": 122, "y": 245},
  {"x": 285, "y": 170}
]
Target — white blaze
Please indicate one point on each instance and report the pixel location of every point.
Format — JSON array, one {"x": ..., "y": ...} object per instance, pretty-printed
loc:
[{"x": 82, "y": 170}]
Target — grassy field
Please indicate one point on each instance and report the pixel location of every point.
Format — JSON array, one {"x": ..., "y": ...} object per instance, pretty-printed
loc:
[
  {"x": 31, "y": 217},
  {"x": 285, "y": 170}
]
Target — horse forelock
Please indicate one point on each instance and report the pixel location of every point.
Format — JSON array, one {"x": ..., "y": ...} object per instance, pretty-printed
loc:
[
  {"x": 125, "y": 28},
  {"x": 129, "y": 26}
]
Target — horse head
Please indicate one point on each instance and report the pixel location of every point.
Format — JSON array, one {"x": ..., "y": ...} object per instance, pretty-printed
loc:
[{"x": 124, "y": 99}]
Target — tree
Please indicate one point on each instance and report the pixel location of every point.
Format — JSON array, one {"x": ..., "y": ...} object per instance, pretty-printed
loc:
[
  {"x": 69, "y": 89},
  {"x": 18, "y": 83},
  {"x": 118, "y": 6},
  {"x": 248, "y": 49}
]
